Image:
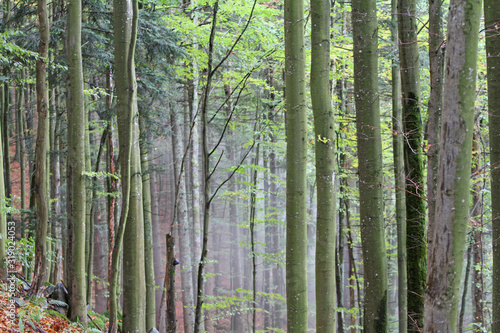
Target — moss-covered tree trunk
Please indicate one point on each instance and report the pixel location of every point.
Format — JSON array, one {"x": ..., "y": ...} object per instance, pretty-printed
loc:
[
  {"x": 414, "y": 167},
  {"x": 446, "y": 251},
  {"x": 296, "y": 185},
  {"x": 76, "y": 205},
  {"x": 325, "y": 166},
  {"x": 491, "y": 20},
  {"x": 364, "y": 22}
]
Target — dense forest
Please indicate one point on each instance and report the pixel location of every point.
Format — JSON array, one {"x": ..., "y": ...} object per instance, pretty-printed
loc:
[{"x": 250, "y": 166}]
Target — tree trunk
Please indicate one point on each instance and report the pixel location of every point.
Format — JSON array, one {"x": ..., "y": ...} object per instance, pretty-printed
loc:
[
  {"x": 206, "y": 174},
  {"x": 148, "y": 229},
  {"x": 4, "y": 236},
  {"x": 170, "y": 285},
  {"x": 325, "y": 166},
  {"x": 364, "y": 22},
  {"x": 195, "y": 171},
  {"x": 453, "y": 179},
  {"x": 89, "y": 219},
  {"x": 40, "y": 274},
  {"x": 414, "y": 167},
  {"x": 296, "y": 186},
  {"x": 436, "y": 62},
  {"x": 76, "y": 205},
  {"x": 185, "y": 244},
  {"x": 6, "y": 120},
  {"x": 157, "y": 241},
  {"x": 464, "y": 292},
  {"x": 399, "y": 177},
  {"x": 130, "y": 230},
  {"x": 492, "y": 17}
]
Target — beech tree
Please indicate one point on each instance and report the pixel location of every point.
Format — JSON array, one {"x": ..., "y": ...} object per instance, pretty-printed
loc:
[
  {"x": 446, "y": 251},
  {"x": 492, "y": 28},
  {"x": 414, "y": 167},
  {"x": 369, "y": 141},
  {"x": 41, "y": 194},
  {"x": 76, "y": 183},
  {"x": 296, "y": 186},
  {"x": 325, "y": 166},
  {"x": 130, "y": 231}
]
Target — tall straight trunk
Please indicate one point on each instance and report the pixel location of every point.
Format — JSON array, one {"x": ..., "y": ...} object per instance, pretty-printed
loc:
[
  {"x": 206, "y": 174},
  {"x": 40, "y": 275},
  {"x": 491, "y": 19},
  {"x": 253, "y": 213},
  {"x": 111, "y": 181},
  {"x": 414, "y": 167},
  {"x": 465, "y": 285},
  {"x": 364, "y": 22},
  {"x": 148, "y": 229},
  {"x": 5, "y": 125},
  {"x": 436, "y": 63},
  {"x": 171, "y": 324},
  {"x": 157, "y": 243},
  {"x": 22, "y": 157},
  {"x": 446, "y": 251},
  {"x": 54, "y": 193},
  {"x": 268, "y": 208},
  {"x": 195, "y": 169},
  {"x": 277, "y": 273},
  {"x": 130, "y": 231},
  {"x": 89, "y": 220},
  {"x": 325, "y": 166},
  {"x": 76, "y": 205},
  {"x": 399, "y": 176},
  {"x": 185, "y": 243},
  {"x": 476, "y": 215},
  {"x": 3, "y": 225},
  {"x": 237, "y": 320},
  {"x": 296, "y": 185}
]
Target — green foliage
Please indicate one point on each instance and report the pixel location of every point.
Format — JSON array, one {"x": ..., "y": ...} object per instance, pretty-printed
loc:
[{"x": 12, "y": 55}]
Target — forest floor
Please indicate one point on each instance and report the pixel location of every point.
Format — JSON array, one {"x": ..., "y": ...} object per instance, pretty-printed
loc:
[{"x": 20, "y": 313}]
